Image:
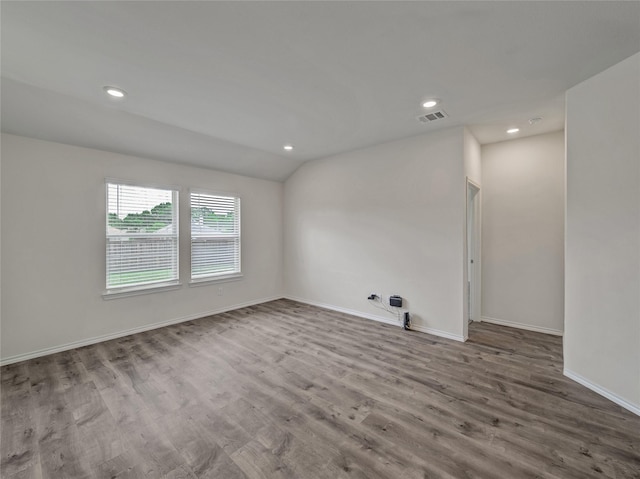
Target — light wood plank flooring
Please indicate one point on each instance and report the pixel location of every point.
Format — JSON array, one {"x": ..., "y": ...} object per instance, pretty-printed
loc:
[{"x": 287, "y": 390}]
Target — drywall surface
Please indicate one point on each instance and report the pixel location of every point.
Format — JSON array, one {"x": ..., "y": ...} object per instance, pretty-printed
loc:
[
  {"x": 53, "y": 245},
  {"x": 602, "y": 289},
  {"x": 0, "y": 254},
  {"x": 472, "y": 158},
  {"x": 387, "y": 220},
  {"x": 523, "y": 232}
]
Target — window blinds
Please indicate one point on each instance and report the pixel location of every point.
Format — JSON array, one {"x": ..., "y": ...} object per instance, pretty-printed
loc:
[
  {"x": 142, "y": 235},
  {"x": 215, "y": 235}
]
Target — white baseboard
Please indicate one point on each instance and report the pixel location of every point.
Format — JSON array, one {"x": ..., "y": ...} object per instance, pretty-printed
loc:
[
  {"x": 437, "y": 332},
  {"x": 381, "y": 319},
  {"x": 107, "y": 337},
  {"x": 528, "y": 327},
  {"x": 340, "y": 309},
  {"x": 634, "y": 408}
]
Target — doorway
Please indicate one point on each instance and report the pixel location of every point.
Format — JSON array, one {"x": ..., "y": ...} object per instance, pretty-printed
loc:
[{"x": 473, "y": 250}]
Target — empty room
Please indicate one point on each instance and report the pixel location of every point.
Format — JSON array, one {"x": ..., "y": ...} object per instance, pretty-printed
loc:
[{"x": 320, "y": 239}]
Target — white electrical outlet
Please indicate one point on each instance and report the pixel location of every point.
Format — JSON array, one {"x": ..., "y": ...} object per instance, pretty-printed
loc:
[{"x": 220, "y": 291}]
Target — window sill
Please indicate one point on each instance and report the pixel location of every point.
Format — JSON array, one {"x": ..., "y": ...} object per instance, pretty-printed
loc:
[
  {"x": 140, "y": 290},
  {"x": 215, "y": 279}
]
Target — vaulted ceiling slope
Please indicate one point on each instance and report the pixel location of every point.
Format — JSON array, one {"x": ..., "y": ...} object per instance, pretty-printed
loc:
[{"x": 227, "y": 84}]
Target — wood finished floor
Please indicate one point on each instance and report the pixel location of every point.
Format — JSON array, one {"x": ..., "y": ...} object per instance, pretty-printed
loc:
[{"x": 287, "y": 390}]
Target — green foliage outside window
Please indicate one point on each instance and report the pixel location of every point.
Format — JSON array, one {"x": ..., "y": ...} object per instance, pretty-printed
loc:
[{"x": 146, "y": 222}]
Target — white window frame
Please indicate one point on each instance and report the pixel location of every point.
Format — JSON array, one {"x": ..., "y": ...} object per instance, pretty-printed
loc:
[
  {"x": 222, "y": 277},
  {"x": 112, "y": 292}
]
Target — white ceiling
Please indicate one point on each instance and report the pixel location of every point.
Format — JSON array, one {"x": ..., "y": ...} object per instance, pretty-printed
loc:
[{"x": 227, "y": 84}]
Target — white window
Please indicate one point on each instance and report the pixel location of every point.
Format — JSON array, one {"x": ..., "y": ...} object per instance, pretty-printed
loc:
[
  {"x": 142, "y": 237},
  {"x": 215, "y": 236}
]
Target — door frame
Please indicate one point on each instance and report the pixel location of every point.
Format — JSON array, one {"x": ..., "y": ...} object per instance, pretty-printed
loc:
[{"x": 472, "y": 286}]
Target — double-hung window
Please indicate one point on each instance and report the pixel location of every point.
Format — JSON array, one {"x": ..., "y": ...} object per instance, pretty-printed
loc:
[
  {"x": 215, "y": 236},
  {"x": 142, "y": 237}
]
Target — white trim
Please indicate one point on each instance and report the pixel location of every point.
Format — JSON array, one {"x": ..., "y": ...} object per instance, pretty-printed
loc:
[
  {"x": 138, "y": 290},
  {"x": 381, "y": 319},
  {"x": 634, "y": 408},
  {"x": 147, "y": 327},
  {"x": 477, "y": 270},
  {"x": 214, "y": 192},
  {"x": 142, "y": 184},
  {"x": 528, "y": 327},
  {"x": 216, "y": 279},
  {"x": 437, "y": 332}
]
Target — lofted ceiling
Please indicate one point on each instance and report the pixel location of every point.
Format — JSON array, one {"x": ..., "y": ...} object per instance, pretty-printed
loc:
[{"x": 226, "y": 84}]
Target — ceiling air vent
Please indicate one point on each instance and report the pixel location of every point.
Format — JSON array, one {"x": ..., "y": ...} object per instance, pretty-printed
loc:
[{"x": 433, "y": 116}]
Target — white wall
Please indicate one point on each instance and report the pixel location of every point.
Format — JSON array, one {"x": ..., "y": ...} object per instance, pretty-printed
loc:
[
  {"x": 472, "y": 158},
  {"x": 0, "y": 254},
  {"x": 53, "y": 245},
  {"x": 523, "y": 232},
  {"x": 602, "y": 301},
  {"x": 387, "y": 219}
]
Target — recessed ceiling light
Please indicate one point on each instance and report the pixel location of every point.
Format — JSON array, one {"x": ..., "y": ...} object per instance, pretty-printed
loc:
[
  {"x": 288, "y": 147},
  {"x": 430, "y": 103},
  {"x": 513, "y": 130},
  {"x": 115, "y": 92}
]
